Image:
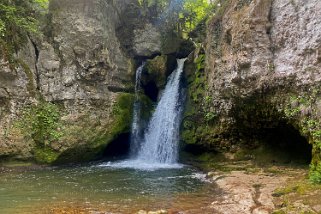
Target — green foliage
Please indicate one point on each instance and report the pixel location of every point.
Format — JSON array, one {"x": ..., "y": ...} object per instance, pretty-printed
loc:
[
  {"x": 42, "y": 123},
  {"x": 310, "y": 126},
  {"x": 200, "y": 62},
  {"x": 199, "y": 116},
  {"x": 153, "y": 8},
  {"x": 45, "y": 155},
  {"x": 181, "y": 16},
  {"x": 193, "y": 13},
  {"x": 17, "y": 19},
  {"x": 315, "y": 173},
  {"x": 122, "y": 114},
  {"x": 299, "y": 108}
]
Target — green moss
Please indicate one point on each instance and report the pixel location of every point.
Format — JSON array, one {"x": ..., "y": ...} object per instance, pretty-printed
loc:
[
  {"x": 147, "y": 107},
  {"x": 199, "y": 117},
  {"x": 157, "y": 70},
  {"x": 30, "y": 86},
  {"x": 45, "y": 155},
  {"x": 79, "y": 153},
  {"x": 315, "y": 172},
  {"x": 298, "y": 189},
  {"x": 298, "y": 109},
  {"x": 95, "y": 134},
  {"x": 42, "y": 123},
  {"x": 122, "y": 114}
]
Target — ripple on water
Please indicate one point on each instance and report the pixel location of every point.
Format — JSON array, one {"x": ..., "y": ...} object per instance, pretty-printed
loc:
[{"x": 109, "y": 187}]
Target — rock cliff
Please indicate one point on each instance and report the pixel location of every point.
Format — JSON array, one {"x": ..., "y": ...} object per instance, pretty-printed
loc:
[
  {"x": 67, "y": 96},
  {"x": 262, "y": 75}
]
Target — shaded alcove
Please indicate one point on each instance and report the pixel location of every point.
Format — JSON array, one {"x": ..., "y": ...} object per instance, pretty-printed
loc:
[
  {"x": 287, "y": 145},
  {"x": 118, "y": 148},
  {"x": 151, "y": 90},
  {"x": 281, "y": 143}
]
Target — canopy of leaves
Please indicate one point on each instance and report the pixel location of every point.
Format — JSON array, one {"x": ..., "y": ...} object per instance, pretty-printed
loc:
[
  {"x": 182, "y": 15},
  {"x": 194, "y": 11},
  {"x": 17, "y": 19}
]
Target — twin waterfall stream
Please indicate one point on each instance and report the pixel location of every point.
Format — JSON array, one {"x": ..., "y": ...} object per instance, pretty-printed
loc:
[
  {"x": 160, "y": 142},
  {"x": 151, "y": 179},
  {"x": 157, "y": 146}
]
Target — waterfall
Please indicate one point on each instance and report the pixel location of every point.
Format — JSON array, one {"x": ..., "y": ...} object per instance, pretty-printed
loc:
[
  {"x": 160, "y": 143},
  {"x": 136, "y": 130},
  {"x": 158, "y": 148}
]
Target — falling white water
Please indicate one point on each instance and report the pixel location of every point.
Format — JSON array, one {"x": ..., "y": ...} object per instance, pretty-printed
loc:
[
  {"x": 160, "y": 144},
  {"x": 136, "y": 130},
  {"x": 159, "y": 147}
]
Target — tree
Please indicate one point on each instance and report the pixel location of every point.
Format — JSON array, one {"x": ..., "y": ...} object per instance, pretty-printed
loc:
[
  {"x": 193, "y": 12},
  {"x": 181, "y": 15},
  {"x": 17, "y": 19}
]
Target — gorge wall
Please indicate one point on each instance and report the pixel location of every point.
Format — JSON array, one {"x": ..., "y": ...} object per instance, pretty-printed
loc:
[
  {"x": 70, "y": 91},
  {"x": 68, "y": 94},
  {"x": 262, "y": 72}
]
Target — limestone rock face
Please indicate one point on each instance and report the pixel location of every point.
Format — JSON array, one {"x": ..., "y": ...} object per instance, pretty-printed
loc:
[
  {"x": 80, "y": 67},
  {"x": 86, "y": 52},
  {"x": 262, "y": 69},
  {"x": 147, "y": 41},
  {"x": 17, "y": 89}
]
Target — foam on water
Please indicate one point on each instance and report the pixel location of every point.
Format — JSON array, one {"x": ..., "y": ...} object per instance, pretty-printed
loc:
[
  {"x": 158, "y": 149},
  {"x": 140, "y": 165},
  {"x": 160, "y": 143}
]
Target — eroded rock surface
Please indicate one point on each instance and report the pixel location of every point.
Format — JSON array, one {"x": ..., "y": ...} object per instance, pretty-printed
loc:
[
  {"x": 247, "y": 193},
  {"x": 262, "y": 70},
  {"x": 79, "y": 66},
  {"x": 147, "y": 41}
]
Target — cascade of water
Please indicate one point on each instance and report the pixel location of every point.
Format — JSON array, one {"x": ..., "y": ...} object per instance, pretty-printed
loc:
[
  {"x": 158, "y": 148},
  {"x": 136, "y": 130},
  {"x": 160, "y": 143}
]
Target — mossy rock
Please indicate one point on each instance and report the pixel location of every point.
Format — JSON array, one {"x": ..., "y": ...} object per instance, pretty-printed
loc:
[
  {"x": 170, "y": 43},
  {"x": 80, "y": 138},
  {"x": 79, "y": 154},
  {"x": 155, "y": 70},
  {"x": 45, "y": 155},
  {"x": 90, "y": 137}
]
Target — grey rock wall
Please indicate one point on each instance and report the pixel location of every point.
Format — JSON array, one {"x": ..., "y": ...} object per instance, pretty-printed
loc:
[
  {"x": 78, "y": 65},
  {"x": 262, "y": 70}
]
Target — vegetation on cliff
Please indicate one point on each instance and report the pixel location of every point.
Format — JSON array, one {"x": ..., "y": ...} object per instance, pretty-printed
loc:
[
  {"x": 224, "y": 114},
  {"x": 17, "y": 20},
  {"x": 182, "y": 16}
]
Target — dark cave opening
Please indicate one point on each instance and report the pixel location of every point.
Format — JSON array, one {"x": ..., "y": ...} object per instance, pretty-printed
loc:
[
  {"x": 118, "y": 148},
  {"x": 282, "y": 144},
  {"x": 151, "y": 90}
]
